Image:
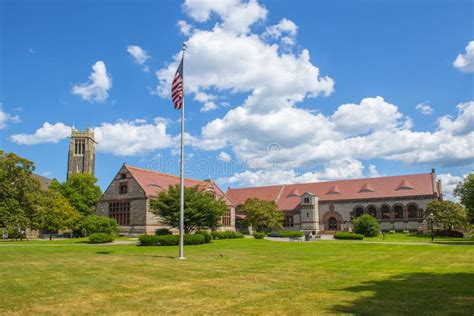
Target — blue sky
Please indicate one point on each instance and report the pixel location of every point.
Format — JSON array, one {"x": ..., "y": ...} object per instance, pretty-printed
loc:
[{"x": 277, "y": 92}]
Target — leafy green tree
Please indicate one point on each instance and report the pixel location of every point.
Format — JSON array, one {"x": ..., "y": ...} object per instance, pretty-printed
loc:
[
  {"x": 81, "y": 190},
  {"x": 201, "y": 209},
  {"x": 262, "y": 215},
  {"x": 18, "y": 192},
  {"x": 100, "y": 224},
  {"x": 465, "y": 191},
  {"x": 366, "y": 225},
  {"x": 56, "y": 213},
  {"x": 447, "y": 214}
]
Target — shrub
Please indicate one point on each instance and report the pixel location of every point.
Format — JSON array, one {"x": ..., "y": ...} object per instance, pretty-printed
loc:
[
  {"x": 162, "y": 232},
  {"x": 148, "y": 240},
  {"x": 227, "y": 235},
  {"x": 171, "y": 240},
  {"x": 206, "y": 234},
  {"x": 259, "y": 235},
  {"x": 15, "y": 234},
  {"x": 100, "y": 238},
  {"x": 366, "y": 225},
  {"x": 449, "y": 233},
  {"x": 100, "y": 224},
  {"x": 348, "y": 235},
  {"x": 286, "y": 234}
]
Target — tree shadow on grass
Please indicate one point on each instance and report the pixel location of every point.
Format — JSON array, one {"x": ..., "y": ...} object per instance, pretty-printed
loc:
[{"x": 413, "y": 293}]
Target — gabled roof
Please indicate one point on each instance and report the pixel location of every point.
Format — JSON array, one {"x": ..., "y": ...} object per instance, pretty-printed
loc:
[
  {"x": 153, "y": 182},
  {"x": 381, "y": 187}
]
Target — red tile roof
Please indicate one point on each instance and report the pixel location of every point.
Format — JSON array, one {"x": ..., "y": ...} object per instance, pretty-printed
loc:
[
  {"x": 153, "y": 182},
  {"x": 382, "y": 187}
]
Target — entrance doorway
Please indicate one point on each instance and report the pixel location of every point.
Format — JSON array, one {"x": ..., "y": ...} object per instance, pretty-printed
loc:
[{"x": 332, "y": 223}]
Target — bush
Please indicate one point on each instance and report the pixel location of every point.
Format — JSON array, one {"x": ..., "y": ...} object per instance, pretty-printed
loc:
[
  {"x": 286, "y": 234},
  {"x": 148, "y": 240},
  {"x": 449, "y": 233},
  {"x": 206, "y": 234},
  {"x": 259, "y": 235},
  {"x": 100, "y": 238},
  {"x": 163, "y": 232},
  {"x": 100, "y": 224},
  {"x": 366, "y": 225},
  {"x": 171, "y": 240},
  {"x": 227, "y": 235},
  {"x": 348, "y": 235}
]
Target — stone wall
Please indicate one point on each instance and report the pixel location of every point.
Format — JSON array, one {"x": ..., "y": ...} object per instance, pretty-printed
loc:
[
  {"x": 135, "y": 195},
  {"x": 345, "y": 210}
]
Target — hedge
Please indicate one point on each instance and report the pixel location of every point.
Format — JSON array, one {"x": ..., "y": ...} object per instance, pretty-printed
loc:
[
  {"x": 171, "y": 240},
  {"x": 348, "y": 235},
  {"x": 259, "y": 235},
  {"x": 162, "y": 232},
  {"x": 206, "y": 234},
  {"x": 227, "y": 235},
  {"x": 366, "y": 225},
  {"x": 101, "y": 238},
  {"x": 286, "y": 234}
]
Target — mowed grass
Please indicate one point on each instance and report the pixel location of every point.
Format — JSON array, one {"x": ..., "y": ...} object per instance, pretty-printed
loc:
[{"x": 244, "y": 276}]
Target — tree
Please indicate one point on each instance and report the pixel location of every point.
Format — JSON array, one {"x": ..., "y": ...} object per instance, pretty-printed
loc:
[
  {"x": 56, "y": 213},
  {"x": 262, "y": 215},
  {"x": 100, "y": 224},
  {"x": 465, "y": 191},
  {"x": 81, "y": 190},
  {"x": 18, "y": 192},
  {"x": 447, "y": 214},
  {"x": 366, "y": 225},
  {"x": 201, "y": 209}
]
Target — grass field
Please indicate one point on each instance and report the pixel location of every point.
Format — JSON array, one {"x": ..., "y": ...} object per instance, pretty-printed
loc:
[{"x": 237, "y": 276}]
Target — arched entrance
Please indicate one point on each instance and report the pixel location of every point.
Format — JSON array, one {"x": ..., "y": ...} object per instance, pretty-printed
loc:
[{"x": 332, "y": 223}]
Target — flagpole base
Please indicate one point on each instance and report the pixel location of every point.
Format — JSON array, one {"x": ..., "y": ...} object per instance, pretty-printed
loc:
[{"x": 181, "y": 258}]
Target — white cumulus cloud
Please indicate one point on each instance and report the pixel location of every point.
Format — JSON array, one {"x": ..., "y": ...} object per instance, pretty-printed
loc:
[
  {"x": 424, "y": 108},
  {"x": 230, "y": 58},
  {"x": 140, "y": 56},
  {"x": 48, "y": 133},
  {"x": 184, "y": 27},
  {"x": 96, "y": 89},
  {"x": 5, "y": 118},
  {"x": 465, "y": 62},
  {"x": 223, "y": 156},
  {"x": 130, "y": 138}
]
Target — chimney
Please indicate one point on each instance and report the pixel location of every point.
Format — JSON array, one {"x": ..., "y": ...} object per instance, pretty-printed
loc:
[{"x": 433, "y": 171}]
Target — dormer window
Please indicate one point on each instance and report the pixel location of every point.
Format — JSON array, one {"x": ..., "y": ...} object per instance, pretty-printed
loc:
[
  {"x": 306, "y": 200},
  {"x": 123, "y": 176}
]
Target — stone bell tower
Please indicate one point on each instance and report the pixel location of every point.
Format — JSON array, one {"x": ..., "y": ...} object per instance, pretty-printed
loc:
[{"x": 81, "y": 157}]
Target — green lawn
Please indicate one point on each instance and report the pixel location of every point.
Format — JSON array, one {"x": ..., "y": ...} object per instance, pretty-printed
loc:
[{"x": 237, "y": 276}]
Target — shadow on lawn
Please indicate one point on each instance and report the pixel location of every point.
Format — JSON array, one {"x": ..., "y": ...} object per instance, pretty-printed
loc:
[
  {"x": 414, "y": 293},
  {"x": 133, "y": 255}
]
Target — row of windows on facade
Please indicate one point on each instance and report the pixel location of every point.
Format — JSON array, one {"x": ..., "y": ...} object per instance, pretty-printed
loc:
[
  {"x": 397, "y": 211},
  {"x": 120, "y": 211},
  {"x": 385, "y": 212}
]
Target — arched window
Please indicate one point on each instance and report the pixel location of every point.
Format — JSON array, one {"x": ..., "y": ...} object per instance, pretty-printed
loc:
[
  {"x": 412, "y": 210},
  {"x": 398, "y": 211},
  {"x": 385, "y": 212},
  {"x": 372, "y": 210},
  {"x": 359, "y": 211}
]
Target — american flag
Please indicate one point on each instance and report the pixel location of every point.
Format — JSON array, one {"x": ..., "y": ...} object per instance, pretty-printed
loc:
[{"x": 177, "y": 88}]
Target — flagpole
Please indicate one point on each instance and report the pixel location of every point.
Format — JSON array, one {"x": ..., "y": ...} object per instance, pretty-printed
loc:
[{"x": 181, "y": 178}]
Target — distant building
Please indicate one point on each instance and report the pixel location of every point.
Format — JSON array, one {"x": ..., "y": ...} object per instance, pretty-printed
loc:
[
  {"x": 397, "y": 202},
  {"x": 43, "y": 181},
  {"x": 127, "y": 199},
  {"x": 81, "y": 156}
]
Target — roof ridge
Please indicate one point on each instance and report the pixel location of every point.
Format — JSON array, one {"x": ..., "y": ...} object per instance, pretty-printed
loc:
[
  {"x": 162, "y": 173},
  {"x": 279, "y": 193},
  {"x": 330, "y": 181}
]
